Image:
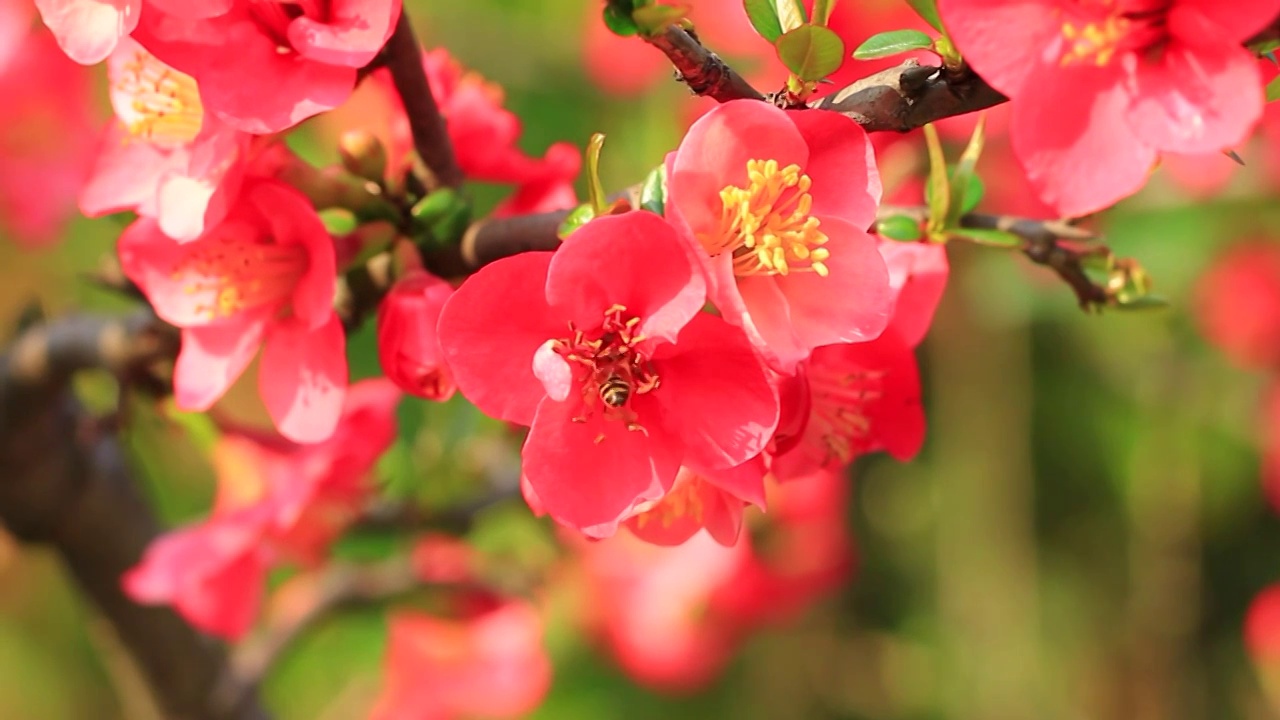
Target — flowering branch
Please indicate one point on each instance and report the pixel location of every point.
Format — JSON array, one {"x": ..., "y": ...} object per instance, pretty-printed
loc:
[
  {"x": 403, "y": 57},
  {"x": 699, "y": 68},
  {"x": 67, "y": 486}
]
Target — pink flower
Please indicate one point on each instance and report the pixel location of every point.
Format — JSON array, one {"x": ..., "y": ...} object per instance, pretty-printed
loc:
[
  {"x": 1144, "y": 77},
  {"x": 46, "y": 129},
  {"x": 485, "y": 136},
  {"x": 775, "y": 204},
  {"x": 276, "y": 501},
  {"x": 408, "y": 346},
  {"x": 164, "y": 156},
  {"x": 694, "y": 503},
  {"x": 489, "y": 665},
  {"x": 601, "y": 347},
  {"x": 263, "y": 276},
  {"x": 266, "y": 65},
  {"x": 865, "y": 397},
  {"x": 88, "y": 30},
  {"x": 1238, "y": 304}
]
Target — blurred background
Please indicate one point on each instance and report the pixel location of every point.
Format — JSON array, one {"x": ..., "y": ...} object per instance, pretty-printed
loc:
[{"x": 1080, "y": 538}]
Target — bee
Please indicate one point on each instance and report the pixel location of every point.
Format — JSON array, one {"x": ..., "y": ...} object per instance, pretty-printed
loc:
[{"x": 615, "y": 391}]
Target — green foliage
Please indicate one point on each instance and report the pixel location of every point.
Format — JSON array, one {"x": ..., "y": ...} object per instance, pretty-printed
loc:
[
  {"x": 899, "y": 227},
  {"x": 764, "y": 18},
  {"x": 927, "y": 9},
  {"x": 894, "y": 42},
  {"x": 811, "y": 52},
  {"x": 653, "y": 193}
]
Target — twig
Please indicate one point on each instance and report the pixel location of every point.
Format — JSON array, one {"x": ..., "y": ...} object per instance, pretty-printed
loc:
[
  {"x": 909, "y": 96},
  {"x": 699, "y": 68},
  {"x": 403, "y": 57},
  {"x": 65, "y": 486}
]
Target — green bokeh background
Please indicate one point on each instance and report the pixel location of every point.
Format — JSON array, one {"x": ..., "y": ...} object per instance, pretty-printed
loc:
[{"x": 1079, "y": 539}]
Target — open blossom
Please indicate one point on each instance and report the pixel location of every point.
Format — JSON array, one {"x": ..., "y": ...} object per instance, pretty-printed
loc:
[
  {"x": 263, "y": 276},
  {"x": 489, "y": 664},
  {"x": 865, "y": 397},
  {"x": 408, "y": 345},
  {"x": 266, "y": 65},
  {"x": 603, "y": 350},
  {"x": 1141, "y": 78},
  {"x": 163, "y": 156},
  {"x": 277, "y": 501},
  {"x": 46, "y": 128},
  {"x": 775, "y": 205},
  {"x": 485, "y": 136}
]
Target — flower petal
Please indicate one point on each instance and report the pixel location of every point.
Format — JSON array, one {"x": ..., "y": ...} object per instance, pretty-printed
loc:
[
  {"x": 1237, "y": 20},
  {"x": 294, "y": 222},
  {"x": 212, "y": 358},
  {"x": 88, "y": 30},
  {"x": 303, "y": 378},
  {"x": 842, "y": 165},
  {"x": 1001, "y": 38},
  {"x": 490, "y": 329}
]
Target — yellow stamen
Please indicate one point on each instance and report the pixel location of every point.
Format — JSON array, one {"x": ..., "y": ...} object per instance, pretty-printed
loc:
[
  {"x": 767, "y": 225},
  {"x": 163, "y": 104},
  {"x": 1094, "y": 42}
]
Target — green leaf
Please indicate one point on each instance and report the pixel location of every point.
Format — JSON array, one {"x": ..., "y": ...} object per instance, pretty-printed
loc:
[
  {"x": 927, "y": 9},
  {"x": 893, "y": 42},
  {"x": 1273, "y": 90},
  {"x": 973, "y": 193},
  {"x": 964, "y": 174},
  {"x": 938, "y": 186},
  {"x": 811, "y": 52},
  {"x": 763, "y": 18},
  {"x": 790, "y": 14},
  {"x": 899, "y": 227},
  {"x": 822, "y": 11},
  {"x": 989, "y": 237},
  {"x": 1145, "y": 302},
  {"x": 595, "y": 188},
  {"x": 618, "y": 20},
  {"x": 653, "y": 19},
  {"x": 576, "y": 218},
  {"x": 338, "y": 221},
  {"x": 653, "y": 193}
]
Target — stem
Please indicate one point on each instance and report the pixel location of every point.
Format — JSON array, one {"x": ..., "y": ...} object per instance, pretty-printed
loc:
[{"x": 403, "y": 57}]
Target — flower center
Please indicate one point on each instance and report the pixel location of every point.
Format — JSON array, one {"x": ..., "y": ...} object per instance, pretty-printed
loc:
[
  {"x": 234, "y": 272},
  {"x": 157, "y": 103},
  {"x": 684, "y": 500},
  {"x": 767, "y": 226},
  {"x": 274, "y": 17},
  {"x": 609, "y": 368},
  {"x": 1095, "y": 31},
  {"x": 839, "y": 400}
]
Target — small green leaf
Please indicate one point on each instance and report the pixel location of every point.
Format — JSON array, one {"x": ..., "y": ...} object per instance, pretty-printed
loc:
[
  {"x": 974, "y": 190},
  {"x": 964, "y": 173},
  {"x": 822, "y": 11},
  {"x": 790, "y": 14},
  {"x": 899, "y": 227},
  {"x": 595, "y": 188},
  {"x": 893, "y": 42},
  {"x": 763, "y": 18},
  {"x": 811, "y": 52},
  {"x": 338, "y": 221},
  {"x": 653, "y": 193},
  {"x": 653, "y": 19},
  {"x": 618, "y": 20},
  {"x": 938, "y": 186},
  {"x": 989, "y": 237},
  {"x": 927, "y": 9},
  {"x": 576, "y": 218},
  {"x": 1273, "y": 90},
  {"x": 1145, "y": 302}
]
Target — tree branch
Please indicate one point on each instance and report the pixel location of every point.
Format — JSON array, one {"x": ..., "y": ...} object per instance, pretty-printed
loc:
[
  {"x": 909, "y": 96},
  {"x": 403, "y": 57},
  {"x": 699, "y": 68},
  {"x": 65, "y": 485}
]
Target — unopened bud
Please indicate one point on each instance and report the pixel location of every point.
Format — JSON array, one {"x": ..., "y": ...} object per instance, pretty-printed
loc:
[{"x": 363, "y": 155}]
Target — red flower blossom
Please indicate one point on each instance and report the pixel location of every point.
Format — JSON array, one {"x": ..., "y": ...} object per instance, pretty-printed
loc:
[
  {"x": 263, "y": 276},
  {"x": 1238, "y": 304},
  {"x": 46, "y": 129},
  {"x": 266, "y": 65},
  {"x": 163, "y": 156},
  {"x": 490, "y": 665},
  {"x": 1146, "y": 78},
  {"x": 694, "y": 503},
  {"x": 408, "y": 346},
  {"x": 775, "y": 204},
  {"x": 88, "y": 30},
  {"x": 601, "y": 348},
  {"x": 277, "y": 501}
]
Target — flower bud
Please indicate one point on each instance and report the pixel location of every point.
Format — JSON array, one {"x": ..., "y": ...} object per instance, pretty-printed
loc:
[
  {"x": 408, "y": 346},
  {"x": 363, "y": 155}
]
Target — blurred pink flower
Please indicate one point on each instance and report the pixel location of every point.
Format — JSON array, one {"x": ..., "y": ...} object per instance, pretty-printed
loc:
[{"x": 408, "y": 345}]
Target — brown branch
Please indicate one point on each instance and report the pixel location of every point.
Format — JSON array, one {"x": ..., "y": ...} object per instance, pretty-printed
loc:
[
  {"x": 403, "y": 57},
  {"x": 699, "y": 68},
  {"x": 68, "y": 487},
  {"x": 909, "y": 96}
]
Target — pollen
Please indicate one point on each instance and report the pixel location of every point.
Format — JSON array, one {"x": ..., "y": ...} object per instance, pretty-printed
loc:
[
  {"x": 840, "y": 403},
  {"x": 683, "y": 501},
  {"x": 1093, "y": 43},
  {"x": 610, "y": 368},
  {"x": 228, "y": 276},
  {"x": 767, "y": 225},
  {"x": 161, "y": 105}
]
